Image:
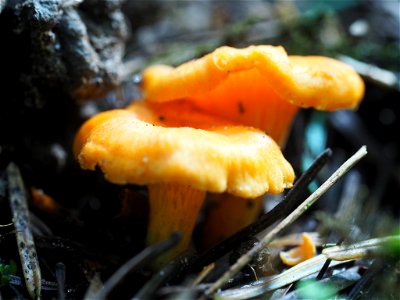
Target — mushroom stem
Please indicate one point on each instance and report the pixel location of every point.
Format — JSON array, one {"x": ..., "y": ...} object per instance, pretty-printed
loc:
[
  {"x": 173, "y": 207},
  {"x": 228, "y": 214}
]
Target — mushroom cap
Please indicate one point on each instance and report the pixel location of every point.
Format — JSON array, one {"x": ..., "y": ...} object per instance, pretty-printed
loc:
[
  {"x": 305, "y": 81},
  {"x": 138, "y": 146},
  {"x": 304, "y": 251}
]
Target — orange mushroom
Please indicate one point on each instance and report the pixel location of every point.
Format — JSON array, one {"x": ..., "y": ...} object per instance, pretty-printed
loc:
[
  {"x": 258, "y": 86},
  {"x": 304, "y": 251},
  {"x": 43, "y": 201},
  {"x": 180, "y": 157}
]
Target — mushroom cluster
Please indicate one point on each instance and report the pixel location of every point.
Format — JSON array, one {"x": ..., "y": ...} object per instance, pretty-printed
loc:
[
  {"x": 214, "y": 124},
  {"x": 257, "y": 86}
]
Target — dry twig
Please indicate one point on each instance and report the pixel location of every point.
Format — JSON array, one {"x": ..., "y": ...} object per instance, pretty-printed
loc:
[
  {"x": 359, "y": 250},
  {"x": 25, "y": 243}
]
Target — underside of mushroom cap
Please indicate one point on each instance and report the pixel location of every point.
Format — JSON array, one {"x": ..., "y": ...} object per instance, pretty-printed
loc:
[
  {"x": 305, "y": 81},
  {"x": 136, "y": 146}
]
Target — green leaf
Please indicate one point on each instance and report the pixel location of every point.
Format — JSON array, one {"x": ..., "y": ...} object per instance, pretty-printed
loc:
[
  {"x": 6, "y": 270},
  {"x": 311, "y": 289}
]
